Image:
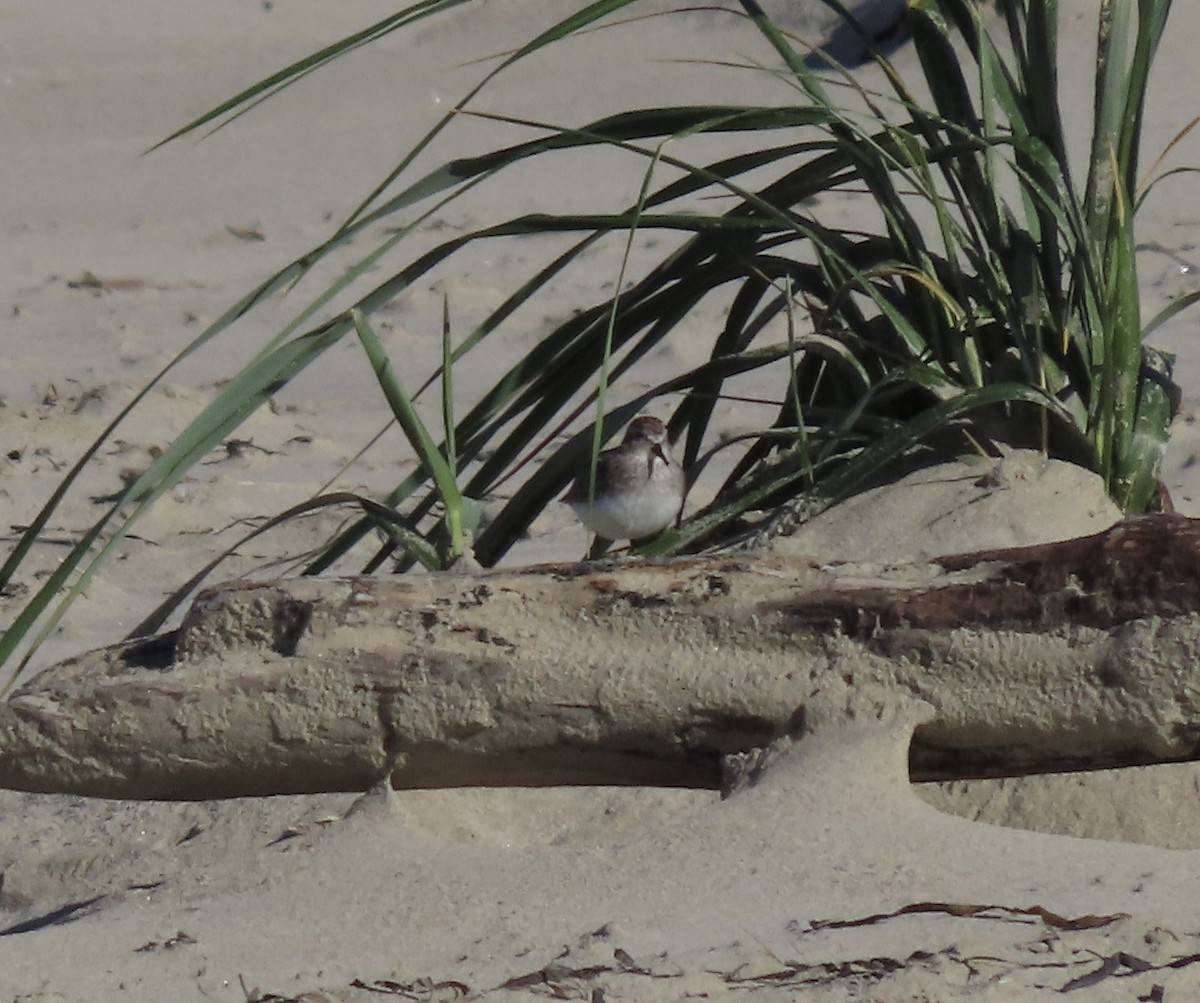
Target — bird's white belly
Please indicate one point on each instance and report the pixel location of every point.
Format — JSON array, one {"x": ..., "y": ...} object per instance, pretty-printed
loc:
[{"x": 630, "y": 517}]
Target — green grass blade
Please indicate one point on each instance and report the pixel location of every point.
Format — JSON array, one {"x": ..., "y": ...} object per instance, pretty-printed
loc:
[
  {"x": 427, "y": 451},
  {"x": 447, "y": 372},
  {"x": 240, "y": 397},
  {"x": 380, "y": 515},
  {"x": 272, "y": 84}
]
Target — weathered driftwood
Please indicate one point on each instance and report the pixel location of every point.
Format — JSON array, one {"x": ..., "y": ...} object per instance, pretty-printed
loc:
[{"x": 1066, "y": 655}]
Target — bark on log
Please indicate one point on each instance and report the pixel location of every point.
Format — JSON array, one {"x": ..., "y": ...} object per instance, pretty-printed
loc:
[{"x": 1059, "y": 656}]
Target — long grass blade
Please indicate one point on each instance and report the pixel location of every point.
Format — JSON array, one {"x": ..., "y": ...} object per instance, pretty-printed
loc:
[{"x": 428, "y": 453}]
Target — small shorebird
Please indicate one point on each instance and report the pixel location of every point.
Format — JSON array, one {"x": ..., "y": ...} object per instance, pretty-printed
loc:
[{"x": 639, "y": 488}]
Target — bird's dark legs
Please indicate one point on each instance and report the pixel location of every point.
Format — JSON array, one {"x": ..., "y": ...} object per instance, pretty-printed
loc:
[{"x": 598, "y": 548}]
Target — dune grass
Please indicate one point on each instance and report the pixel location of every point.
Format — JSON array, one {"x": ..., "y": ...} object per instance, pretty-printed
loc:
[{"x": 996, "y": 302}]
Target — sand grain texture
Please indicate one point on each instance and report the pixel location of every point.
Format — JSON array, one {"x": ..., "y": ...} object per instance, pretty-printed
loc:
[{"x": 832, "y": 878}]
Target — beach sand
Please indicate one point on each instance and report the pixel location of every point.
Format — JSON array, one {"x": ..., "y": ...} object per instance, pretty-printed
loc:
[{"x": 833, "y": 879}]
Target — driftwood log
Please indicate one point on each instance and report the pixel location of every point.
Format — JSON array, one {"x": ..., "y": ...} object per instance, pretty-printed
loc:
[{"x": 1059, "y": 656}]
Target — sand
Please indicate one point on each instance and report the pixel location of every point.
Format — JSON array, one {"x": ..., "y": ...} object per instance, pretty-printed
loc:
[{"x": 833, "y": 879}]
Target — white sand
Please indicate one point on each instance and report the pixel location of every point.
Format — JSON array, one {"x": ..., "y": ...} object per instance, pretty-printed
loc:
[{"x": 635, "y": 894}]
